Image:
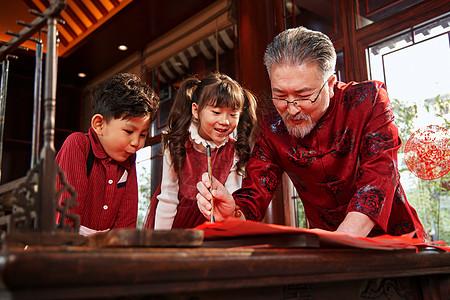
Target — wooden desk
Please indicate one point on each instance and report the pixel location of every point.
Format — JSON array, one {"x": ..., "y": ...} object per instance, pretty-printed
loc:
[{"x": 215, "y": 273}]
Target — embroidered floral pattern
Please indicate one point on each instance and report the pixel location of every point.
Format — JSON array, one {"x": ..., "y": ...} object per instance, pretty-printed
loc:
[
  {"x": 368, "y": 200},
  {"x": 270, "y": 178},
  {"x": 401, "y": 227},
  {"x": 357, "y": 94},
  {"x": 375, "y": 142},
  {"x": 343, "y": 143},
  {"x": 258, "y": 153},
  {"x": 333, "y": 186},
  {"x": 301, "y": 156}
]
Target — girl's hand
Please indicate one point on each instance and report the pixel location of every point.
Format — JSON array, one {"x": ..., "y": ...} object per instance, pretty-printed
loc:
[{"x": 224, "y": 204}]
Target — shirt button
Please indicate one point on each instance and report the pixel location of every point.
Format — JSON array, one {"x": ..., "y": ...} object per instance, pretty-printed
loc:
[
  {"x": 105, "y": 207},
  {"x": 110, "y": 181}
]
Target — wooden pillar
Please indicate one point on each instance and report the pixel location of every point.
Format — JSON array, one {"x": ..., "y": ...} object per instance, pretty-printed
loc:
[
  {"x": 257, "y": 26},
  {"x": 354, "y": 55},
  {"x": 258, "y": 23}
]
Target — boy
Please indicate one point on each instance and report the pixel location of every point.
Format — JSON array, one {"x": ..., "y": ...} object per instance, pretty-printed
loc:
[{"x": 107, "y": 191}]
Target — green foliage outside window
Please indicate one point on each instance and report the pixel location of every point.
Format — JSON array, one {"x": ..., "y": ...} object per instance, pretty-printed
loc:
[
  {"x": 144, "y": 196},
  {"x": 430, "y": 198}
]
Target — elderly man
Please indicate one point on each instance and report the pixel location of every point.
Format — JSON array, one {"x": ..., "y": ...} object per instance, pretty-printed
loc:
[{"x": 336, "y": 141}]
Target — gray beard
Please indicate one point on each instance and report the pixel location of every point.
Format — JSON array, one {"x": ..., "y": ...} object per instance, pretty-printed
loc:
[{"x": 298, "y": 131}]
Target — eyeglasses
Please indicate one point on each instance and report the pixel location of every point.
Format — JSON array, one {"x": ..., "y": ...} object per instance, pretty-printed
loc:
[{"x": 297, "y": 102}]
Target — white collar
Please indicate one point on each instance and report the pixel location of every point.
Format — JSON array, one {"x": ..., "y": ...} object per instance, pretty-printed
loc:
[{"x": 196, "y": 138}]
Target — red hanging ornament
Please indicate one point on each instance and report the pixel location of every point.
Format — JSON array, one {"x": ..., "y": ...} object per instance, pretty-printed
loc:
[{"x": 427, "y": 152}]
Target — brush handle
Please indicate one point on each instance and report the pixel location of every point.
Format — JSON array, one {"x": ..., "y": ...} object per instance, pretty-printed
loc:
[{"x": 208, "y": 155}]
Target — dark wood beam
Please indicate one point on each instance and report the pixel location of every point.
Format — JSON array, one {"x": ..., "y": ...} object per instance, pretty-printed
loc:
[
  {"x": 75, "y": 18},
  {"x": 85, "y": 11},
  {"x": 100, "y": 7}
]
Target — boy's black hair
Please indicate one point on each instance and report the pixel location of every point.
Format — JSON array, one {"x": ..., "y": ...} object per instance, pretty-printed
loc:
[{"x": 124, "y": 95}]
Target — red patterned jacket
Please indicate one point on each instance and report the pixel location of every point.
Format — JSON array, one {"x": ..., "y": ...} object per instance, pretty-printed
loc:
[{"x": 347, "y": 163}]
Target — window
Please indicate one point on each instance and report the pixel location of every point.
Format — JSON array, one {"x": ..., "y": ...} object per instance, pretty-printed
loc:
[
  {"x": 144, "y": 183},
  {"x": 415, "y": 67}
]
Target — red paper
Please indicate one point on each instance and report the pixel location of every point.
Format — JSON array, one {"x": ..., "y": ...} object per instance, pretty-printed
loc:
[{"x": 233, "y": 227}]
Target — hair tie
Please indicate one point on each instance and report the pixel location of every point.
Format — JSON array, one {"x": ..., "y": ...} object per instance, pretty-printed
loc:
[{"x": 194, "y": 88}]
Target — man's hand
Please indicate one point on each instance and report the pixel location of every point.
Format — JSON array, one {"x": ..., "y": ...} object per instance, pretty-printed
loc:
[{"x": 224, "y": 204}]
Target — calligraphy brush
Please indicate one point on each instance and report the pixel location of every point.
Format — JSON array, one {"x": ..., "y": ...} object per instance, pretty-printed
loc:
[{"x": 208, "y": 155}]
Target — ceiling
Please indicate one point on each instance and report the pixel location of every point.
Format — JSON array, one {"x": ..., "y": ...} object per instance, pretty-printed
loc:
[
  {"x": 93, "y": 30},
  {"x": 81, "y": 18}
]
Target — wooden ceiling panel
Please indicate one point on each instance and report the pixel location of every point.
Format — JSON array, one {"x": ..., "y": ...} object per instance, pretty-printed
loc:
[
  {"x": 77, "y": 22},
  {"x": 107, "y": 4},
  {"x": 70, "y": 25},
  {"x": 38, "y": 5},
  {"x": 81, "y": 18},
  {"x": 91, "y": 8},
  {"x": 64, "y": 36},
  {"x": 100, "y": 7},
  {"x": 86, "y": 11},
  {"x": 91, "y": 48}
]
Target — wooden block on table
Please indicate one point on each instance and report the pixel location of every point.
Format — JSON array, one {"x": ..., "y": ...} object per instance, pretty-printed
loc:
[
  {"x": 147, "y": 238},
  {"x": 287, "y": 240},
  {"x": 57, "y": 238}
]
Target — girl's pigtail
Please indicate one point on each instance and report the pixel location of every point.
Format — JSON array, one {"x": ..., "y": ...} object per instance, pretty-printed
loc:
[
  {"x": 178, "y": 123},
  {"x": 246, "y": 131}
]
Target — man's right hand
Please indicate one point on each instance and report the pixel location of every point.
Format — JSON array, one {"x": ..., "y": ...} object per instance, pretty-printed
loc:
[{"x": 224, "y": 204}]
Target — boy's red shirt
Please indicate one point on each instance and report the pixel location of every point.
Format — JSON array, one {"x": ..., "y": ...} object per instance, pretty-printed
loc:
[{"x": 108, "y": 199}]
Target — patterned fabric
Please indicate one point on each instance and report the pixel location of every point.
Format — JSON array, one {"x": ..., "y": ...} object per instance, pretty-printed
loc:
[
  {"x": 347, "y": 163},
  {"x": 108, "y": 199}
]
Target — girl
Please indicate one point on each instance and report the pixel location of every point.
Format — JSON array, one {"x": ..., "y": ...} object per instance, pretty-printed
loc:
[{"x": 204, "y": 113}]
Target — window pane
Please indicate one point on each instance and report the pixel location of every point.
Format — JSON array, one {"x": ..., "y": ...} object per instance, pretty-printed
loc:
[
  {"x": 376, "y": 54},
  {"x": 433, "y": 29},
  {"x": 419, "y": 72},
  {"x": 340, "y": 66}
]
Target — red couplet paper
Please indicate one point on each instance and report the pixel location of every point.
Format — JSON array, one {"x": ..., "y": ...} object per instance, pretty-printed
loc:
[
  {"x": 427, "y": 152},
  {"x": 233, "y": 227}
]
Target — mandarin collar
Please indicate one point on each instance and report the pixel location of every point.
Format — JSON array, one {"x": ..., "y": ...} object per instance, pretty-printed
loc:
[{"x": 196, "y": 138}]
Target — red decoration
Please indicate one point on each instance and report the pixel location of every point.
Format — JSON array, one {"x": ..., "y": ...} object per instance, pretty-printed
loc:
[
  {"x": 235, "y": 228},
  {"x": 427, "y": 152}
]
